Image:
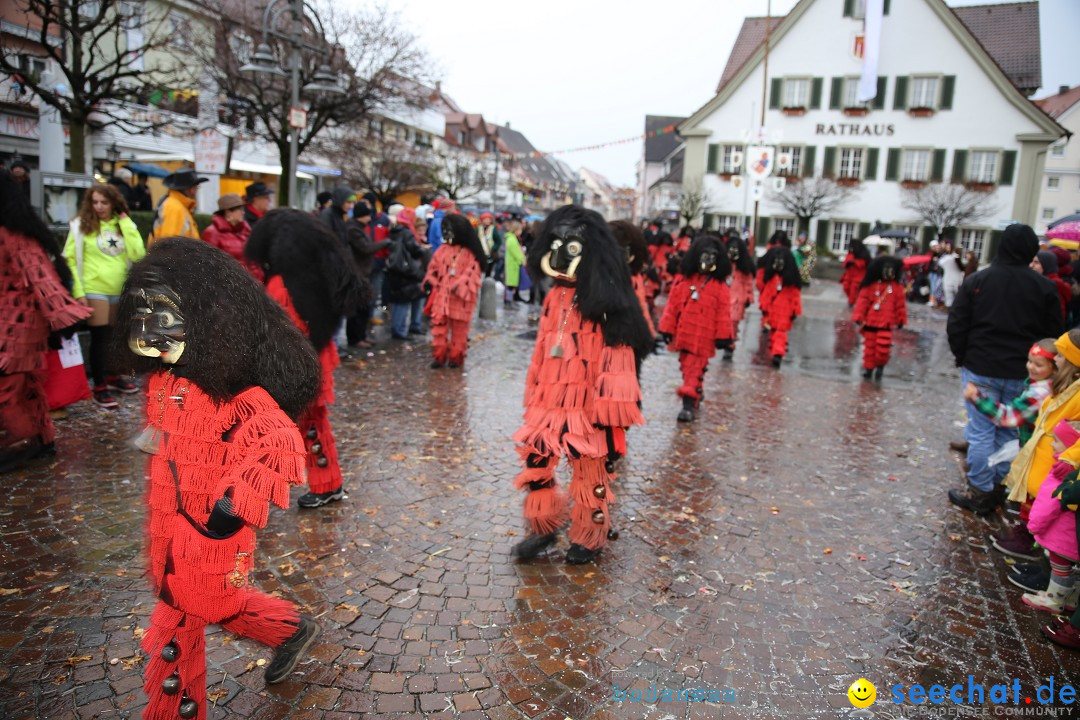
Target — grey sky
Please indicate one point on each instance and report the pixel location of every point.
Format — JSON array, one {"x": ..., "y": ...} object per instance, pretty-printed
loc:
[{"x": 569, "y": 73}]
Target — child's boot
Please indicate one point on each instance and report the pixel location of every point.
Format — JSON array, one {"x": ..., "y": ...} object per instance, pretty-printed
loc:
[
  {"x": 687, "y": 412},
  {"x": 1052, "y": 599},
  {"x": 1017, "y": 543},
  {"x": 1062, "y": 633}
]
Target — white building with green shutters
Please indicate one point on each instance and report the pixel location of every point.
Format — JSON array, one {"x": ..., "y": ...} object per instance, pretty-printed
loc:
[{"x": 952, "y": 106}]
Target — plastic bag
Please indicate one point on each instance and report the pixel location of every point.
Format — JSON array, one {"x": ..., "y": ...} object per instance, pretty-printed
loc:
[{"x": 1005, "y": 454}]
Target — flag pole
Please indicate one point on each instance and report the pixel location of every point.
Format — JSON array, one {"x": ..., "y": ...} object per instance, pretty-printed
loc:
[{"x": 764, "y": 99}]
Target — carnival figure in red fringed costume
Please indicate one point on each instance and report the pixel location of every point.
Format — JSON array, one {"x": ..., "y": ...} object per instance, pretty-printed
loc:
[
  {"x": 581, "y": 390},
  {"x": 697, "y": 318},
  {"x": 781, "y": 299},
  {"x": 632, "y": 241},
  {"x": 313, "y": 276},
  {"x": 35, "y": 306},
  {"x": 777, "y": 239},
  {"x": 880, "y": 308},
  {"x": 741, "y": 284},
  {"x": 453, "y": 286},
  {"x": 855, "y": 263},
  {"x": 230, "y": 372}
]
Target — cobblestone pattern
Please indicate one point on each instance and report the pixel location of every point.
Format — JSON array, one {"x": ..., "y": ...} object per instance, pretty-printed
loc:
[{"x": 794, "y": 538}]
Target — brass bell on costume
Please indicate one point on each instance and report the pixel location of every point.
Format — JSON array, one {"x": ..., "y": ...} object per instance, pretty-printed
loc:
[
  {"x": 598, "y": 517},
  {"x": 170, "y": 653},
  {"x": 188, "y": 708},
  {"x": 171, "y": 684},
  {"x": 316, "y": 448},
  {"x": 312, "y": 434},
  {"x": 322, "y": 461},
  {"x": 600, "y": 491}
]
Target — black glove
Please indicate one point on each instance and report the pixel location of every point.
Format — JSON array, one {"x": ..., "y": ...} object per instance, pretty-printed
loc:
[
  {"x": 222, "y": 523},
  {"x": 668, "y": 337},
  {"x": 723, "y": 345},
  {"x": 657, "y": 344},
  {"x": 427, "y": 288}
]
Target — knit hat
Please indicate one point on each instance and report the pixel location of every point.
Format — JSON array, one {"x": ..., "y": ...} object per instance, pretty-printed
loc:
[
  {"x": 360, "y": 210},
  {"x": 1064, "y": 260},
  {"x": 395, "y": 210},
  {"x": 1066, "y": 433},
  {"x": 1048, "y": 261}
]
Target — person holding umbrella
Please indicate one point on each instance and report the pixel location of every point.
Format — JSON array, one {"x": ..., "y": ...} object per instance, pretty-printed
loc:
[{"x": 174, "y": 213}]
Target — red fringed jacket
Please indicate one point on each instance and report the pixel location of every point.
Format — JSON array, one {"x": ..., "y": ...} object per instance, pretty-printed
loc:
[
  {"x": 881, "y": 306},
  {"x": 781, "y": 304},
  {"x": 854, "y": 272},
  {"x": 246, "y": 444},
  {"x": 454, "y": 275},
  {"x": 742, "y": 288},
  {"x": 577, "y": 386},
  {"x": 32, "y": 302},
  {"x": 328, "y": 356},
  {"x": 697, "y": 322},
  {"x": 642, "y": 291}
]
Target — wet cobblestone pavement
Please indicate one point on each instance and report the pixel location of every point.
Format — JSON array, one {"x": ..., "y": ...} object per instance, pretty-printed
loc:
[{"x": 795, "y": 538}]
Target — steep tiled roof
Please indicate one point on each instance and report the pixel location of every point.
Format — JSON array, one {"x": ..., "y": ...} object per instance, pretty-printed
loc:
[
  {"x": 676, "y": 173},
  {"x": 1009, "y": 32},
  {"x": 514, "y": 140},
  {"x": 1056, "y": 105},
  {"x": 658, "y": 147}
]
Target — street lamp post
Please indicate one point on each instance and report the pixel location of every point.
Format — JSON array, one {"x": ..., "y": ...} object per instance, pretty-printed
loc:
[{"x": 263, "y": 61}]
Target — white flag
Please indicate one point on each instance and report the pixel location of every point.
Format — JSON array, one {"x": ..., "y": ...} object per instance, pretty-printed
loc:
[{"x": 875, "y": 12}]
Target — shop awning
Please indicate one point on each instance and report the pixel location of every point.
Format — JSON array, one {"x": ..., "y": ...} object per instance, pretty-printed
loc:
[{"x": 234, "y": 166}]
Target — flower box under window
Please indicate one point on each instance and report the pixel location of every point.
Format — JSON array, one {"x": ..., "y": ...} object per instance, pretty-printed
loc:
[
  {"x": 856, "y": 111},
  {"x": 847, "y": 181},
  {"x": 921, "y": 112},
  {"x": 726, "y": 175},
  {"x": 788, "y": 176},
  {"x": 913, "y": 184},
  {"x": 794, "y": 111},
  {"x": 980, "y": 186}
]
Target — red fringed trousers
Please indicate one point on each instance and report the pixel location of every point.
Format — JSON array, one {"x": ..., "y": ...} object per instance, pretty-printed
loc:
[
  {"x": 778, "y": 342},
  {"x": 24, "y": 411},
  {"x": 450, "y": 340},
  {"x": 323, "y": 469},
  {"x": 877, "y": 346},
  {"x": 263, "y": 618},
  {"x": 590, "y": 490},
  {"x": 693, "y": 374}
]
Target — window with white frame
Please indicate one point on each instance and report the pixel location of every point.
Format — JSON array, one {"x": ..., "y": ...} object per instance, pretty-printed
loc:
[
  {"x": 1053, "y": 182},
  {"x": 1048, "y": 213},
  {"x": 973, "y": 239},
  {"x": 851, "y": 93},
  {"x": 916, "y": 165},
  {"x": 850, "y": 163},
  {"x": 796, "y": 92},
  {"x": 1057, "y": 150},
  {"x": 983, "y": 166},
  {"x": 912, "y": 230},
  {"x": 727, "y": 159},
  {"x": 924, "y": 92},
  {"x": 795, "y": 152},
  {"x": 842, "y": 235},
  {"x": 786, "y": 224},
  {"x": 723, "y": 222},
  {"x": 858, "y": 9}
]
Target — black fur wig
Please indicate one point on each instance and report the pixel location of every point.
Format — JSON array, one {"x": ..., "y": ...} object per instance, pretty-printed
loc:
[
  {"x": 789, "y": 274},
  {"x": 318, "y": 271},
  {"x": 859, "y": 250},
  {"x": 632, "y": 241},
  {"x": 237, "y": 337},
  {"x": 605, "y": 294},
  {"x": 19, "y": 217},
  {"x": 779, "y": 237},
  {"x": 465, "y": 236},
  {"x": 691, "y": 262},
  {"x": 876, "y": 270},
  {"x": 741, "y": 257}
]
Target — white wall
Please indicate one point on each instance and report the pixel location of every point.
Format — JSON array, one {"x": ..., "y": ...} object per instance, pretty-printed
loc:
[{"x": 1066, "y": 199}]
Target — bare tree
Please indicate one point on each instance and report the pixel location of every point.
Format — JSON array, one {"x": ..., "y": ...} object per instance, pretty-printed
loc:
[
  {"x": 368, "y": 48},
  {"x": 946, "y": 205},
  {"x": 460, "y": 174},
  {"x": 812, "y": 197},
  {"x": 386, "y": 167},
  {"x": 100, "y": 73},
  {"x": 694, "y": 201}
]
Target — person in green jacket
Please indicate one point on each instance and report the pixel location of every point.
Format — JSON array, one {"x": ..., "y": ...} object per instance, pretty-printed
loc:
[
  {"x": 515, "y": 258},
  {"x": 101, "y": 246}
]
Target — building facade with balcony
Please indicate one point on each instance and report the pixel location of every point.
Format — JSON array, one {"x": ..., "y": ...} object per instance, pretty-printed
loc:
[{"x": 953, "y": 110}]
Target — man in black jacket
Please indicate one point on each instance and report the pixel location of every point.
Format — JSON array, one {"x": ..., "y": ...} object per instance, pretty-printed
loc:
[
  {"x": 998, "y": 314},
  {"x": 336, "y": 216}
]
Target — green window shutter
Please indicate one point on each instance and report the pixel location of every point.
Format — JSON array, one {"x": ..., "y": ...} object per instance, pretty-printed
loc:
[
  {"x": 763, "y": 229},
  {"x": 864, "y": 230},
  {"x": 937, "y": 168},
  {"x": 808, "y": 160},
  {"x": 707, "y": 223},
  {"x": 849, "y": 8},
  {"x": 892, "y": 164},
  {"x": 823, "y": 233},
  {"x": 714, "y": 152},
  {"x": 1008, "y": 166},
  {"x": 871, "y": 164},
  {"x": 995, "y": 241},
  {"x": 959, "y": 166},
  {"x": 836, "y": 93},
  {"x": 777, "y": 87},
  {"x": 887, "y": 7},
  {"x": 828, "y": 168},
  {"x": 882, "y": 88},
  {"x": 900, "y": 93},
  {"x": 929, "y": 235},
  {"x": 948, "y": 87},
  {"x": 816, "y": 85}
]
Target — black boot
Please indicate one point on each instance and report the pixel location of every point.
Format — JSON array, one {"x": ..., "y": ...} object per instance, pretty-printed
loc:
[
  {"x": 436, "y": 364},
  {"x": 532, "y": 546},
  {"x": 980, "y": 502},
  {"x": 579, "y": 554},
  {"x": 776, "y": 360},
  {"x": 729, "y": 355},
  {"x": 879, "y": 372},
  {"x": 290, "y": 652},
  {"x": 687, "y": 412}
]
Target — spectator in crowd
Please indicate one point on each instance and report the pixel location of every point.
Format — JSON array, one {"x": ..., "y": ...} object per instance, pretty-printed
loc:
[
  {"x": 322, "y": 201},
  {"x": 364, "y": 242},
  {"x": 141, "y": 200},
  {"x": 971, "y": 264},
  {"x": 443, "y": 207},
  {"x": 342, "y": 199},
  {"x": 257, "y": 195},
  {"x": 952, "y": 274},
  {"x": 121, "y": 180},
  {"x": 404, "y": 277},
  {"x": 229, "y": 231},
  {"x": 515, "y": 258},
  {"x": 491, "y": 239},
  {"x": 174, "y": 212},
  {"x": 20, "y": 171},
  {"x": 1046, "y": 264},
  {"x": 995, "y": 318}
]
